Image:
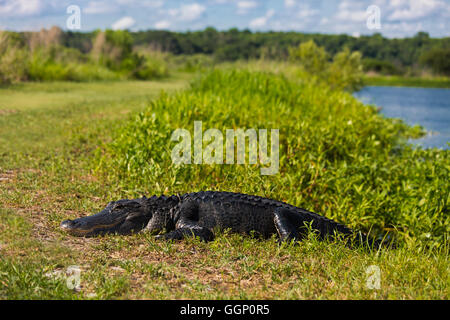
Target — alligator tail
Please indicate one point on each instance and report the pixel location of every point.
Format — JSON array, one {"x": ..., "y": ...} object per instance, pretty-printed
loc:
[{"x": 329, "y": 228}]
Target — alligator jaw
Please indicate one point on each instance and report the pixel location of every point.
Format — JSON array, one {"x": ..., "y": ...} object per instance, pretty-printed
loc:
[
  {"x": 100, "y": 223},
  {"x": 71, "y": 227}
]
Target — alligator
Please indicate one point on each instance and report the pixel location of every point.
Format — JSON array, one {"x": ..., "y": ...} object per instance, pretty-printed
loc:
[{"x": 203, "y": 214}]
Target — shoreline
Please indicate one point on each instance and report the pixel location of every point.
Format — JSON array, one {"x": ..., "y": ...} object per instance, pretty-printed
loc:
[{"x": 415, "y": 82}]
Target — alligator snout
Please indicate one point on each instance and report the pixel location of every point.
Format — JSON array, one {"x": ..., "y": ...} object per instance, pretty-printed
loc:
[
  {"x": 74, "y": 227},
  {"x": 89, "y": 226},
  {"x": 67, "y": 225},
  {"x": 121, "y": 217}
]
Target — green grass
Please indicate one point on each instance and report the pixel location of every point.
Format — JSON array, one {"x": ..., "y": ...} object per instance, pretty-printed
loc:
[
  {"x": 45, "y": 116},
  {"x": 52, "y": 136},
  {"x": 399, "y": 81}
]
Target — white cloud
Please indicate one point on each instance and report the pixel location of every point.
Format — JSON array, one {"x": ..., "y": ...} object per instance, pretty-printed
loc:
[
  {"x": 416, "y": 9},
  {"x": 163, "y": 24},
  {"x": 351, "y": 11},
  {"x": 245, "y": 6},
  {"x": 289, "y": 3},
  {"x": 262, "y": 21},
  {"x": 270, "y": 13},
  {"x": 192, "y": 12},
  {"x": 401, "y": 29},
  {"x": 141, "y": 3},
  {"x": 188, "y": 12},
  {"x": 258, "y": 22},
  {"x": 324, "y": 20},
  {"x": 108, "y": 6},
  {"x": 352, "y": 16},
  {"x": 306, "y": 12},
  {"x": 99, "y": 7},
  {"x": 123, "y": 23},
  {"x": 12, "y": 8}
]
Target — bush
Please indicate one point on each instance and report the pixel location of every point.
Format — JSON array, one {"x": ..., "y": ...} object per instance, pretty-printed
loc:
[
  {"x": 43, "y": 67},
  {"x": 13, "y": 58},
  {"x": 438, "y": 60},
  {"x": 313, "y": 58},
  {"x": 337, "y": 157},
  {"x": 379, "y": 66},
  {"x": 344, "y": 72},
  {"x": 112, "y": 48},
  {"x": 193, "y": 63},
  {"x": 151, "y": 69}
]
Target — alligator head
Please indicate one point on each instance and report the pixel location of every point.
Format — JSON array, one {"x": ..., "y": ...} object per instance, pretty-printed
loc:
[{"x": 121, "y": 217}]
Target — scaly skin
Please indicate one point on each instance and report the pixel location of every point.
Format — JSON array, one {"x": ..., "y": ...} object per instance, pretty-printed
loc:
[{"x": 202, "y": 214}]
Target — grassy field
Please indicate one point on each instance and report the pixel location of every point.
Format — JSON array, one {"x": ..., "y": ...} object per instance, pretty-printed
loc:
[{"x": 49, "y": 139}]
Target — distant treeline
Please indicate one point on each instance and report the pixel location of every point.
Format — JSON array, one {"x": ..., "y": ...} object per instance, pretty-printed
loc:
[
  {"x": 102, "y": 55},
  {"x": 389, "y": 56}
]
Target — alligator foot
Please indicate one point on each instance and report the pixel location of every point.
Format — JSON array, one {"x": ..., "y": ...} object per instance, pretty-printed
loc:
[{"x": 187, "y": 225}]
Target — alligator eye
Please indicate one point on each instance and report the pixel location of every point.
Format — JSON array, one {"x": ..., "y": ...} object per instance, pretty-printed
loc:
[
  {"x": 118, "y": 206},
  {"x": 122, "y": 205}
]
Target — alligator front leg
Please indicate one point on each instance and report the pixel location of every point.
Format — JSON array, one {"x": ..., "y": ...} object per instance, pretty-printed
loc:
[
  {"x": 179, "y": 234},
  {"x": 287, "y": 225},
  {"x": 187, "y": 224}
]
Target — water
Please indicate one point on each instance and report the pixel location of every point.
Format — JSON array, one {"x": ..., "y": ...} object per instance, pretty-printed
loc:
[{"x": 428, "y": 107}]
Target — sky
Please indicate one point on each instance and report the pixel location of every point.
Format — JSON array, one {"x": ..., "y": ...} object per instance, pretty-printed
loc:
[{"x": 391, "y": 18}]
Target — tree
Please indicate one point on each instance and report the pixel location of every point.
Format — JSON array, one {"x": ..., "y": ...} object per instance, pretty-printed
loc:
[
  {"x": 438, "y": 60},
  {"x": 346, "y": 71},
  {"x": 313, "y": 58}
]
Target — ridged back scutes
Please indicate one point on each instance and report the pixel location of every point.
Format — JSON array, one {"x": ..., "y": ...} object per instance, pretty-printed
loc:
[
  {"x": 325, "y": 225},
  {"x": 252, "y": 199}
]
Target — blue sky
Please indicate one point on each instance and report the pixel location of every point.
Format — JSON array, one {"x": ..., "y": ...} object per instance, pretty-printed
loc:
[{"x": 398, "y": 18}]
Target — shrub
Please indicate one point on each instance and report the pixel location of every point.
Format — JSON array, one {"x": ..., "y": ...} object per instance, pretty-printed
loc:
[
  {"x": 43, "y": 67},
  {"x": 312, "y": 57},
  {"x": 379, "y": 66},
  {"x": 193, "y": 63},
  {"x": 111, "y": 48},
  {"x": 151, "y": 69},
  {"x": 114, "y": 50},
  {"x": 13, "y": 58},
  {"x": 438, "y": 60},
  {"x": 344, "y": 72}
]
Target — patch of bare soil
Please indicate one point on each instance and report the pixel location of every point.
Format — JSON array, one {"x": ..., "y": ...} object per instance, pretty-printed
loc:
[
  {"x": 5, "y": 112},
  {"x": 7, "y": 175}
]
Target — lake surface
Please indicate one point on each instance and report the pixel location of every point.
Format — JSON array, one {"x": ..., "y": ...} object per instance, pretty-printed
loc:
[{"x": 428, "y": 107}]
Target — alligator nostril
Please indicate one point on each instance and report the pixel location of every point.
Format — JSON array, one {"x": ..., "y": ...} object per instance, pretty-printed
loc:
[{"x": 67, "y": 224}]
